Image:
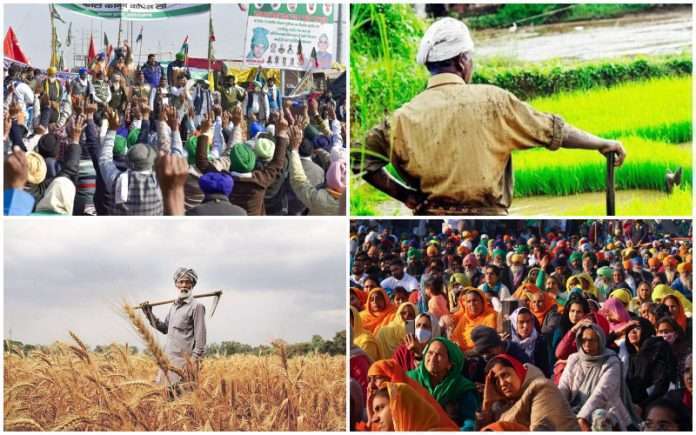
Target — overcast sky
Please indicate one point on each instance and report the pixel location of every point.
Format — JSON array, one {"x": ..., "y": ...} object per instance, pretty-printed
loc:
[
  {"x": 281, "y": 279},
  {"x": 31, "y": 24}
]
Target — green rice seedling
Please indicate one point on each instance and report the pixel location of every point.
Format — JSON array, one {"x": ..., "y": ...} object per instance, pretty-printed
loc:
[
  {"x": 567, "y": 171},
  {"x": 678, "y": 203},
  {"x": 659, "y": 105}
]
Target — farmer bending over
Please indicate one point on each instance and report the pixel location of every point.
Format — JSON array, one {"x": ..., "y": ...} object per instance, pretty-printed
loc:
[
  {"x": 184, "y": 326},
  {"x": 453, "y": 142}
]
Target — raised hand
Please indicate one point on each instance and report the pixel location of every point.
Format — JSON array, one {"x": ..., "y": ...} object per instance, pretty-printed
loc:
[
  {"x": 16, "y": 169},
  {"x": 80, "y": 123},
  {"x": 205, "y": 124},
  {"x": 296, "y": 135},
  {"x": 112, "y": 117}
]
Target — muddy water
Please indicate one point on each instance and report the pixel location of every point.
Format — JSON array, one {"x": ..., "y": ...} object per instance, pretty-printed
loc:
[
  {"x": 548, "y": 205},
  {"x": 654, "y": 33}
]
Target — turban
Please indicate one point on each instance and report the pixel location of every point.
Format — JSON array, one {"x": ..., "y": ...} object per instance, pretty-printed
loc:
[
  {"x": 36, "y": 168},
  {"x": 216, "y": 182},
  {"x": 260, "y": 37},
  {"x": 191, "y": 145},
  {"x": 652, "y": 262},
  {"x": 444, "y": 39},
  {"x": 621, "y": 294},
  {"x": 413, "y": 253},
  {"x": 140, "y": 157},
  {"x": 59, "y": 197},
  {"x": 575, "y": 256},
  {"x": 264, "y": 149},
  {"x": 521, "y": 249},
  {"x": 516, "y": 259},
  {"x": 132, "y": 137},
  {"x": 684, "y": 267},
  {"x": 481, "y": 250},
  {"x": 605, "y": 272},
  {"x": 431, "y": 251},
  {"x": 119, "y": 145},
  {"x": 336, "y": 176},
  {"x": 256, "y": 128},
  {"x": 180, "y": 56},
  {"x": 499, "y": 253},
  {"x": 185, "y": 272},
  {"x": 242, "y": 158}
]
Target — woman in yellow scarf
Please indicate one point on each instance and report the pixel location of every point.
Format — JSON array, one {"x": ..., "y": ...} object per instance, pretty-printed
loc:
[
  {"x": 362, "y": 338},
  {"x": 477, "y": 310},
  {"x": 585, "y": 282},
  {"x": 378, "y": 312},
  {"x": 389, "y": 337},
  {"x": 661, "y": 291}
]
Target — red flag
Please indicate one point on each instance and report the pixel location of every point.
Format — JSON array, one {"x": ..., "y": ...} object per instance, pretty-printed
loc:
[
  {"x": 12, "y": 49},
  {"x": 91, "y": 52}
]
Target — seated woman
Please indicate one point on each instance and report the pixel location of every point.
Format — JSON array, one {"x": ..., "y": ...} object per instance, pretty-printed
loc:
[
  {"x": 671, "y": 332},
  {"x": 583, "y": 281},
  {"x": 390, "y": 336},
  {"x": 440, "y": 373},
  {"x": 524, "y": 333},
  {"x": 576, "y": 311},
  {"x": 593, "y": 379},
  {"x": 644, "y": 296},
  {"x": 378, "y": 312},
  {"x": 683, "y": 395},
  {"x": 398, "y": 408},
  {"x": 362, "y": 338},
  {"x": 475, "y": 311},
  {"x": 661, "y": 291},
  {"x": 676, "y": 310},
  {"x": 387, "y": 370},
  {"x": 410, "y": 353},
  {"x": 649, "y": 363},
  {"x": 520, "y": 393}
]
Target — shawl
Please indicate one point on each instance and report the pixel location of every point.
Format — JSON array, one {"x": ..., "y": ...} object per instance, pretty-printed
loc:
[
  {"x": 362, "y": 338},
  {"x": 372, "y": 321},
  {"x": 466, "y": 322},
  {"x": 527, "y": 344},
  {"x": 391, "y": 335}
]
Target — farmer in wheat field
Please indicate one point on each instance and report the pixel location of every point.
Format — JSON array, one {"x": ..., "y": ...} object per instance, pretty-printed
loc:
[
  {"x": 184, "y": 327},
  {"x": 452, "y": 143}
]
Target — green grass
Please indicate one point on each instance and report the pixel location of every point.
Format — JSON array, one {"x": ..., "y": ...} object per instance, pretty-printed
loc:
[
  {"x": 662, "y": 104},
  {"x": 364, "y": 198}
]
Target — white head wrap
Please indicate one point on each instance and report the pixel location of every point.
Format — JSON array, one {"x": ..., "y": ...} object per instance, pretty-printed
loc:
[
  {"x": 444, "y": 39},
  {"x": 185, "y": 272},
  {"x": 59, "y": 197}
]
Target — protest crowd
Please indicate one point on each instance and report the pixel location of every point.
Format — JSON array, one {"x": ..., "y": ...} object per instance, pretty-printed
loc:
[
  {"x": 127, "y": 139},
  {"x": 521, "y": 325}
]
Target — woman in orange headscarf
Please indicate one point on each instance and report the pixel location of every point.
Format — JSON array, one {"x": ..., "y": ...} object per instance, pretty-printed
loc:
[
  {"x": 378, "y": 312},
  {"x": 676, "y": 310},
  {"x": 398, "y": 407},
  {"x": 391, "y": 371},
  {"x": 477, "y": 311},
  {"x": 540, "y": 304}
]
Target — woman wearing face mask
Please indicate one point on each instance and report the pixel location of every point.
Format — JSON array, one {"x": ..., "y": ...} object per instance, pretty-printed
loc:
[
  {"x": 440, "y": 373},
  {"x": 593, "y": 379},
  {"x": 378, "y": 312},
  {"x": 387, "y": 370},
  {"x": 520, "y": 393},
  {"x": 671, "y": 332},
  {"x": 397, "y": 407},
  {"x": 649, "y": 363},
  {"x": 523, "y": 331},
  {"x": 390, "y": 336},
  {"x": 410, "y": 353}
]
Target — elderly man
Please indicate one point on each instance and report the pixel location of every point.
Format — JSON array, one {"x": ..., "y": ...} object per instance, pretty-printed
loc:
[
  {"x": 184, "y": 326},
  {"x": 453, "y": 142}
]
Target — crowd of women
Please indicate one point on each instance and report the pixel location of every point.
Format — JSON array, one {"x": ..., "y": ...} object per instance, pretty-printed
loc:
[
  {"x": 520, "y": 325},
  {"x": 120, "y": 140}
]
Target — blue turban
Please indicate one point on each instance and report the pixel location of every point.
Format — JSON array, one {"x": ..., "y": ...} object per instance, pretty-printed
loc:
[
  {"x": 216, "y": 182},
  {"x": 260, "y": 37}
]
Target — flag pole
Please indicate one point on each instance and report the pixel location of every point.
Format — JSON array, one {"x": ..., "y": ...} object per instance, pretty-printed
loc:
[
  {"x": 210, "y": 42},
  {"x": 53, "y": 36}
]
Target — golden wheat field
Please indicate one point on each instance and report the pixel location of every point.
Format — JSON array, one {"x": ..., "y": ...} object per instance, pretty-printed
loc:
[{"x": 68, "y": 387}]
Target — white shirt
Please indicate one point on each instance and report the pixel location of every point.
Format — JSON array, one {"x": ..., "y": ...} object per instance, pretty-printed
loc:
[{"x": 407, "y": 281}]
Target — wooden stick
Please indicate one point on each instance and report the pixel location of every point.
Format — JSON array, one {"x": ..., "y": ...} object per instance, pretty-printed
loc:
[
  {"x": 217, "y": 293},
  {"x": 611, "y": 201}
]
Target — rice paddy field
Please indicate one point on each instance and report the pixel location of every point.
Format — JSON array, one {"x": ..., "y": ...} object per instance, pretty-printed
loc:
[
  {"x": 652, "y": 117},
  {"x": 68, "y": 388}
]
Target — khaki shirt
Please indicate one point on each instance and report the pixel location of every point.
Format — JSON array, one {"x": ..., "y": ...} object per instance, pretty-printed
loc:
[{"x": 454, "y": 141}]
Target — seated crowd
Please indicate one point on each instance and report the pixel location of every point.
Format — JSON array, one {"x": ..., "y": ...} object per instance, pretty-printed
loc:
[{"x": 515, "y": 328}]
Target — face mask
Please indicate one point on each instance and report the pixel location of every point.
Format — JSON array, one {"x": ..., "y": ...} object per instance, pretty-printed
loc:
[
  {"x": 423, "y": 335},
  {"x": 670, "y": 337}
]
